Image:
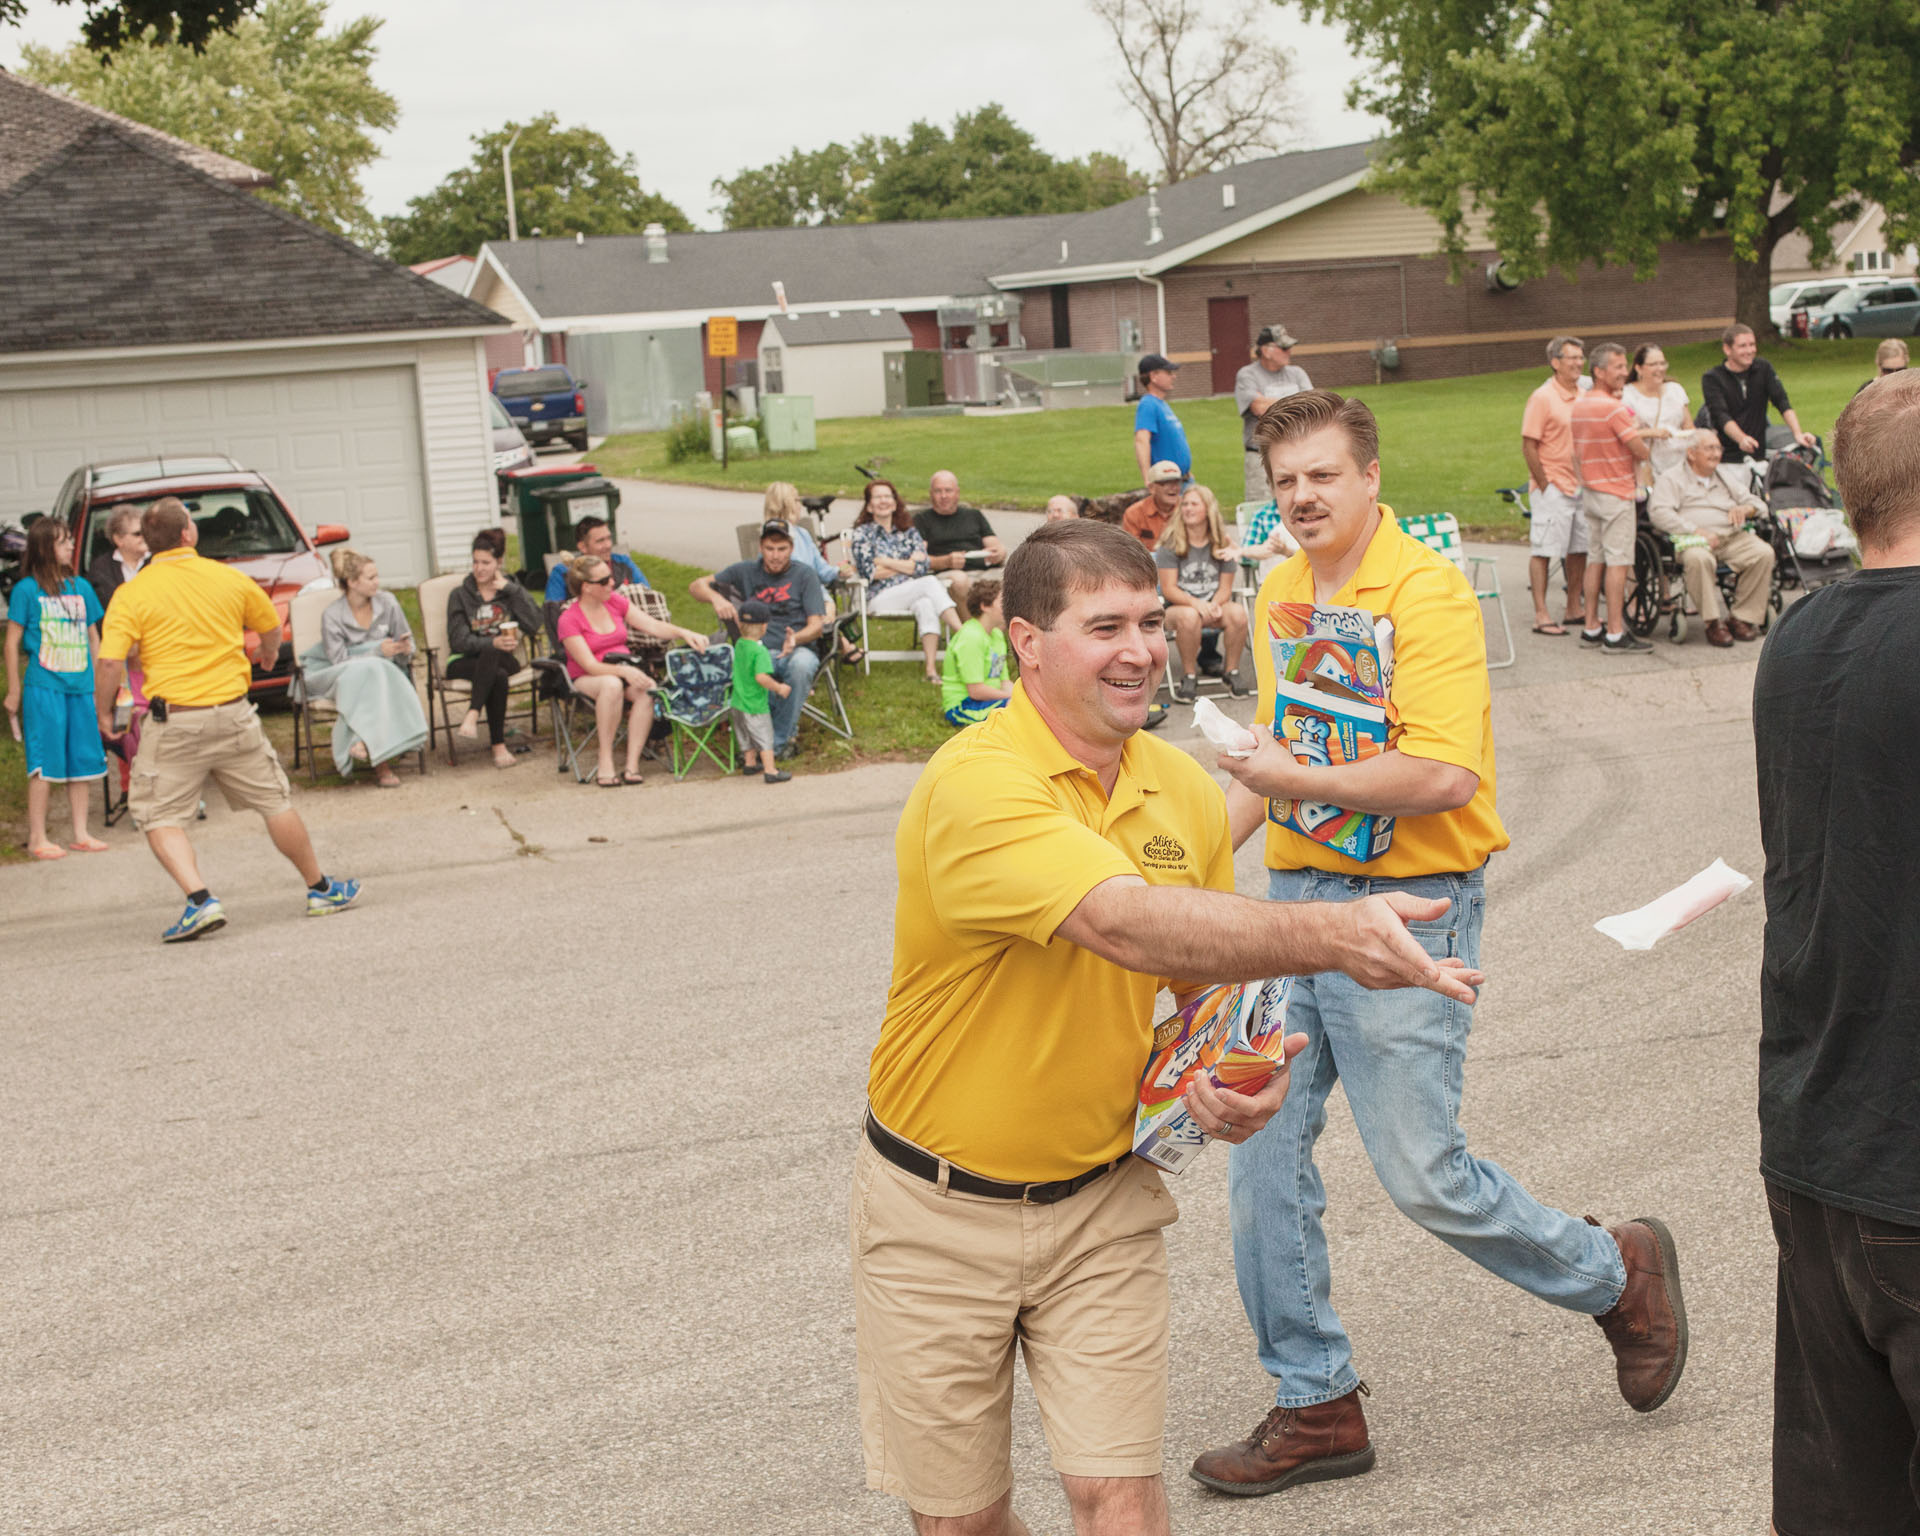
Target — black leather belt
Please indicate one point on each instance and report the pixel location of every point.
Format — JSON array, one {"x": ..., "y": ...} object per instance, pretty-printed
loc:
[
  {"x": 173, "y": 708},
  {"x": 924, "y": 1165}
]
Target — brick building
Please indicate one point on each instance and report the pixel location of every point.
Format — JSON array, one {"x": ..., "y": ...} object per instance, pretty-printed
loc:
[{"x": 1191, "y": 270}]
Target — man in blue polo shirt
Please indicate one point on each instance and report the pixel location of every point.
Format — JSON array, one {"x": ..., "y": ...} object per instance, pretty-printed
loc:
[
  {"x": 592, "y": 536},
  {"x": 1157, "y": 434}
]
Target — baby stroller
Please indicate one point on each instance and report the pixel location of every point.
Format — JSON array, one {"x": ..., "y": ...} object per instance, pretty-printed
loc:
[{"x": 1796, "y": 490}]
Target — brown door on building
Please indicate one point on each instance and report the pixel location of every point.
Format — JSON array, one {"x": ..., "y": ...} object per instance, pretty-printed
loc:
[{"x": 1229, "y": 337}]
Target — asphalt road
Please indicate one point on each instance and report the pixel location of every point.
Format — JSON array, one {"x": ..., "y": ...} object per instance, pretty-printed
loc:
[{"x": 513, "y": 1201}]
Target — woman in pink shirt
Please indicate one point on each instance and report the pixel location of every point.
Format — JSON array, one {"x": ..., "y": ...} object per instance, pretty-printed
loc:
[{"x": 594, "y": 625}]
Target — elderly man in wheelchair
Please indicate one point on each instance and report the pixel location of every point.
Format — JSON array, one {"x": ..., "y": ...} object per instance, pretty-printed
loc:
[{"x": 1706, "y": 521}]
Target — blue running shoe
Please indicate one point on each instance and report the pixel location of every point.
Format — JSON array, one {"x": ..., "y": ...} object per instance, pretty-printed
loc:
[
  {"x": 200, "y": 917},
  {"x": 337, "y": 897}
]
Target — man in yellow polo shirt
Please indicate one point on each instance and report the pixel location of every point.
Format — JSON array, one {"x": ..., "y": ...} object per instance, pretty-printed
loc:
[
  {"x": 189, "y": 618},
  {"x": 1400, "y": 1055},
  {"x": 1056, "y": 870}
]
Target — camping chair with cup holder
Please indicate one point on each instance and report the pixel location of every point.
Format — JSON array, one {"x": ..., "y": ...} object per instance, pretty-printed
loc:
[
  {"x": 303, "y": 632},
  {"x": 576, "y": 727}
]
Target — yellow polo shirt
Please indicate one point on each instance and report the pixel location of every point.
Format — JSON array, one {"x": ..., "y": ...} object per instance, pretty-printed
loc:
[
  {"x": 1440, "y": 692},
  {"x": 189, "y": 617},
  {"x": 1007, "y": 1052}
]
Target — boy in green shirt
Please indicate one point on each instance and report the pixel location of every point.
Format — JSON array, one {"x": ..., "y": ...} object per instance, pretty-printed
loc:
[
  {"x": 753, "y": 680},
  {"x": 973, "y": 677}
]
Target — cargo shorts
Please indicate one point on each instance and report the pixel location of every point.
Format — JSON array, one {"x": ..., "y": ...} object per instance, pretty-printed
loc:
[
  {"x": 179, "y": 754},
  {"x": 946, "y": 1286}
]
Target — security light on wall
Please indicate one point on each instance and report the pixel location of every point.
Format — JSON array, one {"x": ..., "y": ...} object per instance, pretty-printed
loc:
[{"x": 1500, "y": 278}]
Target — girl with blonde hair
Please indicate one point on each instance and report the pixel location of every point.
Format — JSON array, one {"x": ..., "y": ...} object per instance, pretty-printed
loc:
[
  {"x": 364, "y": 663},
  {"x": 1197, "y": 566}
]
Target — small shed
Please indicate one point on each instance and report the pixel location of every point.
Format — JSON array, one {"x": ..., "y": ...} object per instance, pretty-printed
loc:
[{"x": 838, "y": 356}]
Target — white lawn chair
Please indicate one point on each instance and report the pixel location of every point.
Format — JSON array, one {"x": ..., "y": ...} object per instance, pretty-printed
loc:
[{"x": 1441, "y": 532}]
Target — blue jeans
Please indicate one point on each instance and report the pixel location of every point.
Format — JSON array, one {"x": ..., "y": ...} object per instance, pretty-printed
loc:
[
  {"x": 1402, "y": 1056},
  {"x": 798, "y": 671}
]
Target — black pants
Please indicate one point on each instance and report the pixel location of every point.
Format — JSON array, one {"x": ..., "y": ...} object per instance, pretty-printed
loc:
[
  {"x": 1846, "y": 1372},
  {"x": 490, "y": 672}
]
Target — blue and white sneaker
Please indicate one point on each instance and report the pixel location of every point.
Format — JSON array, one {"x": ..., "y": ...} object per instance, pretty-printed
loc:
[
  {"x": 200, "y": 917},
  {"x": 337, "y": 897}
]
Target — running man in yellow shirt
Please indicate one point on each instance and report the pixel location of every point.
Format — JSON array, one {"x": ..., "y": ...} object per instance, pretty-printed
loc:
[
  {"x": 1401, "y": 1055},
  {"x": 1057, "y": 868},
  {"x": 189, "y": 618}
]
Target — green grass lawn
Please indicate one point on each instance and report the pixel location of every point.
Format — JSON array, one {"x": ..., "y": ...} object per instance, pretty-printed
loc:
[{"x": 1447, "y": 445}]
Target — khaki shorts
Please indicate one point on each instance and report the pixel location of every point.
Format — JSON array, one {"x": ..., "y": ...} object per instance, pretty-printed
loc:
[
  {"x": 1610, "y": 526},
  {"x": 178, "y": 755},
  {"x": 946, "y": 1285}
]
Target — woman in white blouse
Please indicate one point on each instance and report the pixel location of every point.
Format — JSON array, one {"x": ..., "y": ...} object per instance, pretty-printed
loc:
[{"x": 1661, "y": 407}]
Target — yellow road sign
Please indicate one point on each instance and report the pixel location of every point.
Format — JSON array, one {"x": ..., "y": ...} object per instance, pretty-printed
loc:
[{"x": 723, "y": 336}]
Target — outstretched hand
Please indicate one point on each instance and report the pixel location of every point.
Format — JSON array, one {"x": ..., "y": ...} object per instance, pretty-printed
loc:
[{"x": 1379, "y": 952}]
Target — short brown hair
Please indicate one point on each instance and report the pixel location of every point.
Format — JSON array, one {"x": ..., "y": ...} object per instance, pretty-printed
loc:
[
  {"x": 1876, "y": 458},
  {"x": 1306, "y": 413},
  {"x": 1059, "y": 559},
  {"x": 1734, "y": 332},
  {"x": 162, "y": 524},
  {"x": 980, "y": 596}
]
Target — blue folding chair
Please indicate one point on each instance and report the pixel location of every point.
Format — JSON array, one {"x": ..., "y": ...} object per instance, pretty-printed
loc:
[{"x": 694, "y": 701}]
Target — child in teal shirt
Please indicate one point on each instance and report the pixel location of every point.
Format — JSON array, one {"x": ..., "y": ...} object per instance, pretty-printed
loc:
[
  {"x": 753, "y": 680},
  {"x": 973, "y": 677}
]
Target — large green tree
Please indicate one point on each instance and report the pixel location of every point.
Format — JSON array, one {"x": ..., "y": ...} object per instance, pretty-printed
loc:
[
  {"x": 1595, "y": 129},
  {"x": 111, "y": 25},
  {"x": 986, "y": 166},
  {"x": 565, "y": 181},
  {"x": 279, "y": 92}
]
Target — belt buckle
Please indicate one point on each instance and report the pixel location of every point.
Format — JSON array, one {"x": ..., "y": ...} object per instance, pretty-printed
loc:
[{"x": 1040, "y": 1194}]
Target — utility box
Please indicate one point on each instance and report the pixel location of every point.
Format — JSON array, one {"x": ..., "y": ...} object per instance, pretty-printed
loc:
[
  {"x": 743, "y": 443},
  {"x": 526, "y": 489},
  {"x": 915, "y": 380},
  {"x": 788, "y": 422}
]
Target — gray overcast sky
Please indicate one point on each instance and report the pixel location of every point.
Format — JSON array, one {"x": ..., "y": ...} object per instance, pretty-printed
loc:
[{"x": 698, "y": 90}]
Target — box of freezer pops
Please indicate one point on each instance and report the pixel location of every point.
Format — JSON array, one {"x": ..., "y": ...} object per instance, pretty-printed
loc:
[
  {"x": 1233, "y": 1034},
  {"x": 1333, "y": 676}
]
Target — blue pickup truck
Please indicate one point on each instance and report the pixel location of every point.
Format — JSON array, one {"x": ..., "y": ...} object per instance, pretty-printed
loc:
[{"x": 545, "y": 403}]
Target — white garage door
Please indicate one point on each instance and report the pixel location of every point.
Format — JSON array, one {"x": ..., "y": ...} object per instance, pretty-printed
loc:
[{"x": 342, "y": 447}]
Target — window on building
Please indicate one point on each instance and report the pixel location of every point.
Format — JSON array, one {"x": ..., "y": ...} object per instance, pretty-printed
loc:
[
  {"x": 770, "y": 370},
  {"x": 1872, "y": 261}
]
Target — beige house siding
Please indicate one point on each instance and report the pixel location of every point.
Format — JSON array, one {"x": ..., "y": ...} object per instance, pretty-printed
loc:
[
  {"x": 490, "y": 289},
  {"x": 1792, "y": 257},
  {"x": 1350, "y": 227}
]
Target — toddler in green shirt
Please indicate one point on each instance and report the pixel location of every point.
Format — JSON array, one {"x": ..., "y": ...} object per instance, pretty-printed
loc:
[{"x": 753, "y": 680}]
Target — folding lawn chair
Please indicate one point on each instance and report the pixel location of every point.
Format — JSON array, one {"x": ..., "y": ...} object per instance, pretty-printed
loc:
[
  {"x": 303, "y": 626},
  {"x": 444, "y": 693},
  {"x": 1441, "y": 532},
  {"x": 694, "y": 702}
]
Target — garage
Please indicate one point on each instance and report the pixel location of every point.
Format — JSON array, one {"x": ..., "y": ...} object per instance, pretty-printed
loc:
[
  {"x": 341, "y": 447},
  {"x": 211, "y": 322}
]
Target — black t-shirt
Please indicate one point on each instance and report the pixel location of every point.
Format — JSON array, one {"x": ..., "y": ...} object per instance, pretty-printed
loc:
[
  {"x": 1742, "y": 398},
  {"x": 1836, "y": 724},
  {"x": 967, "y": 528}
]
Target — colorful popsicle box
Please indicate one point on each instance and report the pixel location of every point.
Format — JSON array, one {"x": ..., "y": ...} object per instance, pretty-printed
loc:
[
  {"x": 1332, "y": 670},
  {"x": 1233, "y": 1034}
]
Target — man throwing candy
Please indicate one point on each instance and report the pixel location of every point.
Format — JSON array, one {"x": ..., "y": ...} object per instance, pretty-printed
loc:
[{"x": 1057, "y": 868}]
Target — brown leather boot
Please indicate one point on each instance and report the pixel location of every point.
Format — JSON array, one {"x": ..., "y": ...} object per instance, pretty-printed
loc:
[
  {"x": 1648, "y": 1325},
  {"x": 1292, "y": 1445}
]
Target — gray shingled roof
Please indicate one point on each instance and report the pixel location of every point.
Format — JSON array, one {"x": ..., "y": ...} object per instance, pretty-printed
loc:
[
  {"x": 861, "y": 263},
  {"x": 836, "y": 326},
  {"x": 843, "y": 263},
  {"x": 114, "y": 243},
  {"x": 1189, "y": 210},
  {"x": 36, "y": 123}
]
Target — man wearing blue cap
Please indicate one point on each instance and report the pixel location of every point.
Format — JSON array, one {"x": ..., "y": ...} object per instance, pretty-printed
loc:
[{"x": 1157, "y": 434}]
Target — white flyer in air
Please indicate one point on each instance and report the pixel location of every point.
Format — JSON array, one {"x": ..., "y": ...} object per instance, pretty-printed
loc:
[{"x": 1648, "y": 925}]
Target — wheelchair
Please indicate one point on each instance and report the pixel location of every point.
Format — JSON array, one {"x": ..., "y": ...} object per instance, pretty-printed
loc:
[{"x": 1656, "y": 590}]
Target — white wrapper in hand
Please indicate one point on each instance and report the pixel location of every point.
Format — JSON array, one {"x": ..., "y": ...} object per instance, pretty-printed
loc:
[
  {"x": 1229, "y": 737},
  {"x": 1648, "y": 925}
]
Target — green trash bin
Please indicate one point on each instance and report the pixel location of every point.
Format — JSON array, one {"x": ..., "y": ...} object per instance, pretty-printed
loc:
[
  {"x": 562, "y": 506},
  {"x": 527, "y": 495}
]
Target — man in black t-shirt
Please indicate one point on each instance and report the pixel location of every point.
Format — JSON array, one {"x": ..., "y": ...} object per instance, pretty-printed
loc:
[
  {"x": 1835, "y": 707},
  {"x": 959, "y": 537},
  {"x": 797, "y": 608},
  {"x": 1735, "y": 397}
]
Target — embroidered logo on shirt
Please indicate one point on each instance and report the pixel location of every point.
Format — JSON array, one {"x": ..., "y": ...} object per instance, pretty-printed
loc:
[{"x": 1164, "y": 852}]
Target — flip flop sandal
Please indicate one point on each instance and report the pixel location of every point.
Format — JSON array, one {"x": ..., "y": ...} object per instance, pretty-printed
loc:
[
  {"x": 51, "y": 851},
  {"x": 92, "y": 845},
  {"x": 607, "y": 783},
  {"x": 632, "y": 778},
  {"x": 1549, "y": 628}
]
